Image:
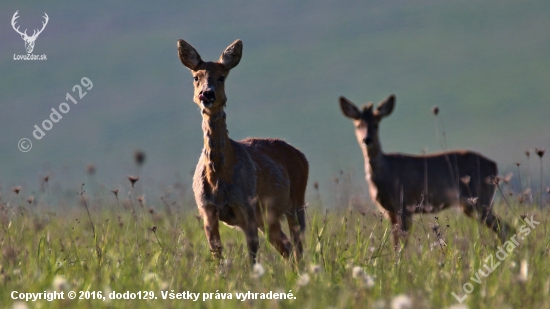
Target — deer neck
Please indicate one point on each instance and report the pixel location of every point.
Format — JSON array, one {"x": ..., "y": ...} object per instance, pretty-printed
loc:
[
  {"x": 374, "y": 157},
  {"x": 218, "y": 151}
]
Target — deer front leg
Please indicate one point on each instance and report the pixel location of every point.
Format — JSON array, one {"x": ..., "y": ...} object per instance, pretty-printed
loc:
[
  {"x": 210, "y": 215},
  {"x": 396, "y": 229}
]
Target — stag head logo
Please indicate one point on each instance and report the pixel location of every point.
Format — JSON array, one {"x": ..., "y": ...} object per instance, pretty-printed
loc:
[{"x": 29, "y": 40}]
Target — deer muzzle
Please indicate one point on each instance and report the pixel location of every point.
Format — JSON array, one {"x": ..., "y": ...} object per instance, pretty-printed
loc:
[{"x": 207, "y": 98}]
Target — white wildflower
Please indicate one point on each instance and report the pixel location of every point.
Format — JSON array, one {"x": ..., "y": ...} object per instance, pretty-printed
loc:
[
  {"x": 59, "y": 283},
  {"x": 303, "y": 280},
  {"x": 401, "y": 302},
  {"x": 148, "y": 277},
  {"x": 523, "y": 271},
  {"x": 227, "y": 263},
  {"x": 458, "y": 306},
  {"x": 379, "y": 304},
  {"x": 257, "y": 270},
  {"x": 369, "y": 281},
  {"x": 106, "y": 291},
  {"x": 19, "y": 305},
  {"x": 357, "y": 272}
]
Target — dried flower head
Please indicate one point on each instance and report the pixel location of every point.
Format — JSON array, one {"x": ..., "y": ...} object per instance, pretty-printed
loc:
[
  {"x": 139, "y": 157},
  {"x": 496, "y": 180},
  {"x": 527, "y": 153},
  {"x": 540, "y": 152},
  {"x": 115, "y": 192},
  {"x": 435, "y": 110},
  {"x": 133, "y": 179},
  {"x": 90, "y": 169},
  {"x": 315, "y": 269},
  {"x": 46, "y": 178},
  {"x": 465, "y": 180},
  {"x": 316, "y": 185},
  {"x": 141, "y": 199},
  {"x": 16, "y": 189},
  {"x": 30, "y": 199},
  {"x": 518, "y": 163},
  {"x": 508, "y": 177},
  {"x": 10, "y": 254}
]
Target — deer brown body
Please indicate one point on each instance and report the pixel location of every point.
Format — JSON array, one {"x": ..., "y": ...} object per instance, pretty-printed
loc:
[
  {"x": 251, "y": 183},
  {"x": 404, "y": 184}
]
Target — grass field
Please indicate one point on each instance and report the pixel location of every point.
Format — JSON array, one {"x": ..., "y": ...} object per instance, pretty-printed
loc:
[{"x": 349, "y": 260}]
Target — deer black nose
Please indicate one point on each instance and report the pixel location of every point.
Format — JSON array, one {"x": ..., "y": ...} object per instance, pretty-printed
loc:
[
  {"x": 209, "y": 94},
  {"x": 367, "y": 141}
]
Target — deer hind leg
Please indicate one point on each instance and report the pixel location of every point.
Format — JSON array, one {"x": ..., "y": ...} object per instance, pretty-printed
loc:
[
  {"x": 246, "y": 218},
  {"x": 297, "y": 225},
  {"x": 484, "y": 209},
  {"x": 484, "y": 206},
  {"x": 279, "y": 240},
  {"x": 406, "y": 223},
  {"x": 252, "y": 240}
]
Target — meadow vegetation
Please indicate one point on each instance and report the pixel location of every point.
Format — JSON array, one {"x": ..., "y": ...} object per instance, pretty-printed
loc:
[{"x": 159, "y": 245}]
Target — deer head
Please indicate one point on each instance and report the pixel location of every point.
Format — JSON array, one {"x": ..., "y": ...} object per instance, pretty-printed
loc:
[
  {"x": 366, "y": 121},
  {"x": 209, "y": 77},
  {"x": 29, "y": 40}
]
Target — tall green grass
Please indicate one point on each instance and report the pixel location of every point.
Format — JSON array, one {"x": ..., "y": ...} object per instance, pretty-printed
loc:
[{"x": 349, "y": 259}]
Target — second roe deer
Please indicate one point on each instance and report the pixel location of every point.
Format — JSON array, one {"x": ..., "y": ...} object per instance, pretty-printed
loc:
[
  {"x": 245, "y": 183},
  {"x": 403, "y": 184}
]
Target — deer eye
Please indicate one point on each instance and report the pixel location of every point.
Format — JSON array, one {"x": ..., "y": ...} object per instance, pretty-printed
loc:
[
  {"x": 196, "y": 78},
  {"x": 221, "y": 79}
]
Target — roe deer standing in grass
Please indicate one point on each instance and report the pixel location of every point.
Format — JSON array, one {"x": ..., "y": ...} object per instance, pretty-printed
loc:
[
  {"x": 245, "y": 183},
  {"x": 404, "y": 184}
]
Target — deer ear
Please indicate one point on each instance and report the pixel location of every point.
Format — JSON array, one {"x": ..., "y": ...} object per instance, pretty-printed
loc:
[
  {"x": 188, "y": 55},
  {"x": 349, "y": 109},
  {"x": 386, "y": 106},
  {"x": 231, "y": 56}
]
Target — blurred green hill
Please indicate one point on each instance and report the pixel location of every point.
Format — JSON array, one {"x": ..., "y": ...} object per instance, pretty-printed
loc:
[{"x": 485, "y": 64}]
